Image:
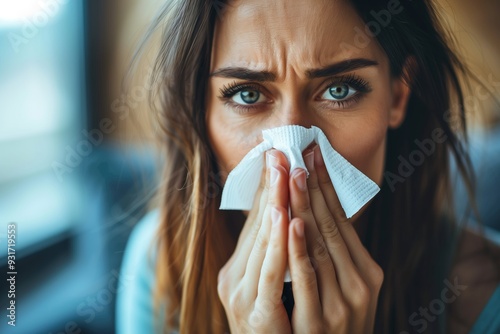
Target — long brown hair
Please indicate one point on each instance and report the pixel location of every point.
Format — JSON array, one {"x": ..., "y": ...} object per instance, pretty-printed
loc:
[{"x": 406, "y": 220}]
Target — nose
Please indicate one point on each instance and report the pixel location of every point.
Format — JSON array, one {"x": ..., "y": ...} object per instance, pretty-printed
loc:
[{"x": 291, "y": 111}]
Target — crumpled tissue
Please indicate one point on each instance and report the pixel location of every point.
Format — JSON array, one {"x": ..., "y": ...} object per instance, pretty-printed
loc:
[{"x": 353, "y": 188}]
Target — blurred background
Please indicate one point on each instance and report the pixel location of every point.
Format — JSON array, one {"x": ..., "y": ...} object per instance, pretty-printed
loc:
[{"x": 78, "y": 160}]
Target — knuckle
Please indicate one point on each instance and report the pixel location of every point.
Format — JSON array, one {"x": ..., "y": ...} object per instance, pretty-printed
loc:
[
  {"x": 323, "y": 179},
  {"x": 264, "y": 310},
  {"x": 261, "y": 242},
  {"x": 321, "y": 253},
  {"x": 307, "y": 280},
  {"x": 257, "y": 321},
  {"x": 376, "y": 276},
  {"x": 222, "y": 274},
  {"x": 360, "y": 294},
  {"x": 303, "y": 206},
  {"x": 269, "y": 277},
  {"x": 274, "y": 243},
  {"x": 272, "y": 201},
  {"x": 222, "y": 286},
  {"x": 312, "y": 183},
  {"x": 325, "y": 219},
  {"x": 273, "y": 197},
  {"x": 302, "y": 259},
  {"x": 254, "y": 230},
  {"x": 330, "y": 230},
  {"x": 236, "y": 304},
  {"x": 343, "y": 312},
  {"x": 264, "y": 306},
  {"x": 338, "y": 317}
]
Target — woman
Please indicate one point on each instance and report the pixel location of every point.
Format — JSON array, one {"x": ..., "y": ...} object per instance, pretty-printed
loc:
[{"x": 380, "y": 81}]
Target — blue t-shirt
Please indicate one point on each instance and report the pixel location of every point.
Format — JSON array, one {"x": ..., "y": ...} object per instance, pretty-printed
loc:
[
  {"x": 134, "y": 303},
  {"x": 134, "y": 309}
]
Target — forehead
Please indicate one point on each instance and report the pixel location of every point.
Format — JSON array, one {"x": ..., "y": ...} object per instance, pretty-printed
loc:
[{"x": 274, "y": 35}]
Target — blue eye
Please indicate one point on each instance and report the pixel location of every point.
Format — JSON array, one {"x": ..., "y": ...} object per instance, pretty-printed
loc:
[
  {"x": 338, "y": 92},
  {"x": 247, "y": 96}
]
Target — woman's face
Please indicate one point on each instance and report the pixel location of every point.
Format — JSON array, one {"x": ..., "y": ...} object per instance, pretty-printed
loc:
[{"x": 300, "y": 62}]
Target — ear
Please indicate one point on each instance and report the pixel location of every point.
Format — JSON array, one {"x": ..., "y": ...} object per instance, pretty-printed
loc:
[{"x": 401, "y": 94}]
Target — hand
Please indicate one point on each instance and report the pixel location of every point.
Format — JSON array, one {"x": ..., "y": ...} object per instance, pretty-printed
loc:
[
  {"x": 251, "y": 283},
  {"x": 335, "y": 281}
]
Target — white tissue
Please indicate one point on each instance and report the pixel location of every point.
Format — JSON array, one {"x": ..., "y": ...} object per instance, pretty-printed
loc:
[{"x": 353, "y": 188}]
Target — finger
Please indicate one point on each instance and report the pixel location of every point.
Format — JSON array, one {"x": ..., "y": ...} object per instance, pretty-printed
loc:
[
  {"x": 237, "y": 264},
  {"x": 343, "y": 243},
  {"x": 359, "y": 254},
  {"x": 307, "y": 307},
  {"x": 327, "y": 226},
  {"x": 256, "y": 213},
  {"x": 277, "y": 197},
  {"x": 250, "y": 229},
  {"x": 320, "y": 257},
  {"x": 278, "y": 191},
  {"x": 270, "y": 285},
  {"x": 255, "y": 217}
]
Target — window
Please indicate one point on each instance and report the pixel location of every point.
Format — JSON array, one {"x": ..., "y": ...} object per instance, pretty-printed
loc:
[{"x": 42, "y": 106}]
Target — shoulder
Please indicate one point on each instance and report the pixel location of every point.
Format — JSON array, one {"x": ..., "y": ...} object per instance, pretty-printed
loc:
[
  {"x": 140, "y": 252},
  {"x": 134, "y": 305},
  {"x": 476, "y": 269},
  {"x": 142, "y": 236}
]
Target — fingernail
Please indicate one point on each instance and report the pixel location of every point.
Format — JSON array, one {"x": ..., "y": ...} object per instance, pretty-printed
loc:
[
  {"x": 300, "y": 180},
  {"x": 274, "y": 175},
  {"x": 271, "y": 160},
  {"x": 299, "y": 229},
  {"x": 309, "y": 159},
  {"x": 318, "y": 158},
  {"x": 275, "y": 216}
]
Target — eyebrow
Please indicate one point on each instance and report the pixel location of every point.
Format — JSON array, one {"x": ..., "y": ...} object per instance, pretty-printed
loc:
[{"x": 329, "y": 70}]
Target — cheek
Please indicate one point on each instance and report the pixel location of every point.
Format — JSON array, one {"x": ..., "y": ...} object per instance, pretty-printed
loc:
[
  {"x": 371, "y": 157},
  {"x": 230, "y": 140},
  {"x": 362, "y": 142}
]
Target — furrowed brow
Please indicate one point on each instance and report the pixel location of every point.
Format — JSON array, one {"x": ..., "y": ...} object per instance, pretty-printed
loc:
[
  {"x": 329, "y": 70},
  {"x": 243, "y": 74},
  {"x": 340, "y": 67}
]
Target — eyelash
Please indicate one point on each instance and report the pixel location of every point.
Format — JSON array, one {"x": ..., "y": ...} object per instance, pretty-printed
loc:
[
  {"x": 227, "y": 92},
  {"x": 360, "y": 85}
]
